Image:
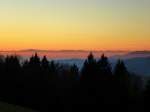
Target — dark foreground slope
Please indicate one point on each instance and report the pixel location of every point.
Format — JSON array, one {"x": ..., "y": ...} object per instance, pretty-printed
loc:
[{"x": 5, "y": 107}]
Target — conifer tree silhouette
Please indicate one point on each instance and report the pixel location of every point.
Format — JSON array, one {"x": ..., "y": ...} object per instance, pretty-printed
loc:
[
  {"x": 146, "y": 97},
  {"x": 122, "y": 85},
  {"x": 45, "y": 85},
  {"x": 45, "y": 63},
  {"x": 74, "y": 72}
]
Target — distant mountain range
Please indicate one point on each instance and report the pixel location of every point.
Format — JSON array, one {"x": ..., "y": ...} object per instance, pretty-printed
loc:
[
  {"x": 115, "y": 54},
  {"x": 37, "y": 50},
  {"x": 62, "y": 53},
  {"x": 137, "y": 62},
  {"x": 133, "y": 54},
  {"x": 94, "y": 51},
  {"x": 138, "y": 66}
]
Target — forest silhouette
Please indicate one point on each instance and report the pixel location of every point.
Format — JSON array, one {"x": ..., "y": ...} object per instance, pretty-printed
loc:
[{"x": 49, "y": 86}]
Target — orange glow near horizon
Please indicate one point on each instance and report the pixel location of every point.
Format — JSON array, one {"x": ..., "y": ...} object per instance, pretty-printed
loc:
[
  {"x": 74, "y": 25},
  {"x": 69, "y": 41}
]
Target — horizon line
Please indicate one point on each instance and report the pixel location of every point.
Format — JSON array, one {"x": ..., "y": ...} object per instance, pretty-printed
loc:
[{"x": 70, "y": 50}]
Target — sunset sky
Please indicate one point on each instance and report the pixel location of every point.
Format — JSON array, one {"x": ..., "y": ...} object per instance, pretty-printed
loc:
[{"x": 75, "y": 24}]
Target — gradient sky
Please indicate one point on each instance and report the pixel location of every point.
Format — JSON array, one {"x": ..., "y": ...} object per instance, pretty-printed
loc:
[{"x": 75, "y": 24}]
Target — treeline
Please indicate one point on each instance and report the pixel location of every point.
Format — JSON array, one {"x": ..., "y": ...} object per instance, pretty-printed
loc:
[{"x": 48, "y": 86}]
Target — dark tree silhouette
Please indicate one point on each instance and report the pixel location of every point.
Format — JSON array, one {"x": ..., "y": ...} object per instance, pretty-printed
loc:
[
  {"x": 45, "y": 63},
  {"x": 74, "y": 71},
  {"x": 104, "y": 80},
  {"x": 122, "y": 76},
  {"x": 46, "y": 85},
  {"x": 146, "y": 97},
  {"x": 122, "y": 85},
  {"x": 89, "y": 69}
]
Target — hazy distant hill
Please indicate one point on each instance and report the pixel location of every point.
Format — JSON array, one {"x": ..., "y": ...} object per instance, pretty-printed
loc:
[
  {"x": 134, "y": 54},
  {"x": 137, "y": 61},
  {"x": 139, "y": 66},
  {"x": 62, "y": 53}
]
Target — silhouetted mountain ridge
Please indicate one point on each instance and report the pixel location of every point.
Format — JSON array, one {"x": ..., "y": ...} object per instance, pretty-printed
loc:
[
  {"x": 42, "y": 50},
  {"x": 140, "y": 52}
]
